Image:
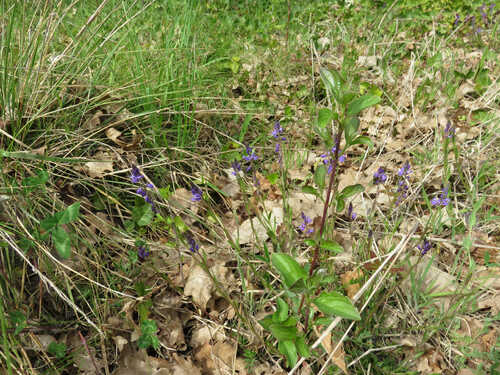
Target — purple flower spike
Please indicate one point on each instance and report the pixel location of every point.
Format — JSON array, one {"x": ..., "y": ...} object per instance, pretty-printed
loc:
[
  {"x": 236, "y": 168},
  {"x": 250, "y": 154},
  {"x": 142, "y": 252},
  {"x": 197, "y": 193},
  {"x": 277, "y": 148},
  {"x": 457, "y": 19},
  {"x": 328, "y": 158},
  {"x": 135, "y": 175},
  {"x": 449, "y": 131},
  {"x": 442, "y": 199},
  {"x": 303, "y": 226},
  {"x": 405, "y": 170},
  {"x": 379, "y": 177},
  {"x": 350, "y": 214},
  {"x": 141, "y": 192},
  {"x": 424, "y": 247},
  {"x": 193, "y": 246}
]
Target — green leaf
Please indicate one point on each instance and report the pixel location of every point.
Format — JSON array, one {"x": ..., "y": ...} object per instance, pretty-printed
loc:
[
  {"x": 332, "y": 81},
  {"x": 18, "y": 320},
  {"x": 310, "y": 242},
  {"x": 288, "y": 349},
  {"x": 361, "y": 103},
  {"x": 302, "y": 347},
  {"x": 351, "y": 190},
  {"x": 309, "y": 190},
  {"x": 62, "y": 242},
  {"x": 362, "y": 140},
  {"x": 289, "y": 269},
  {"x": 351, "y": 128},
  {"x": 319, "y": 176},
  {"x": 281, "y": 313},
  {"x": 273, "y": 177},
  {"x": 325, "y": 116},
  {"x": 266, "y": 322},
  {"x": 30, "y": 183},
  {"x": 331, "y": 245},
  {"x": 334, "y": 303},
  {"x": 340, "y": 203},
  {"x": 57, "y": 349},
  {"x": 181, "y": 226},
  {"x": 70, "y": 214},
  {"x": 282, "y": 332},
  {"x": 142, "y": 215}
]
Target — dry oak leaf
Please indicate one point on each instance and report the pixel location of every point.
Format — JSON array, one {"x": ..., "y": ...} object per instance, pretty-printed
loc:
[
  {"x": 199, "y": 285},
  {"x": 338, "y": 357},
  {"x": 351, "y": 281}
]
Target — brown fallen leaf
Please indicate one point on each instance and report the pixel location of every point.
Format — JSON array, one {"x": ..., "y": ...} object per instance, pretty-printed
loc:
[
  {"x": 351, "y": 280},
  {"x": 338, "y": 357},
  {"x": 199, "y": 285}
]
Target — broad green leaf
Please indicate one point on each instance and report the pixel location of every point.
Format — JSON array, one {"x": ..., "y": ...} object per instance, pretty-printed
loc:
[
  {"x": 362, "y": 140},
  {"x": 273, "y": 177},
  {"x": 302, "y": 347},
  {"x": 332, "y": 81},
  {"x": 62, "y": 242},
  {"x": 309, "y": 190},
  {"x": 325, "y": 116},
  {"x": 331, "y": 245},
  {"x": 30, "y": 183},
  {"x": 49, "y": 222},
  {"x": 289, "y": 269},
  {"x": 351, "y": 190},
  {"x": 288, "y": 349},
  {"x": 70, "y": 214},
  {"x": 361, "y": 103},
  {"x": 57, "y": 349},
  {"x": 142, "y": 215},
  {"x": 310, "y": 242},
  {"x": 282, "y": 332},
  {"x": 319, "y": 176},
  {"x": 281, "y": 313},
  {"x": 368, "y": 88},
  {"x": 334, "y": 303},
  {"x": 340, "y": 203},
  {"x": 350, "y": 129},
  {"x": 266, "y": 322}
]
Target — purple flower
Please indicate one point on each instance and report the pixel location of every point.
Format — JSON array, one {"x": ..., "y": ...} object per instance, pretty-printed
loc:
[
  {"x": 379, "y": 177},
  {"x": 403, "y": 173},
  {"x": 135, "y": 175},
  {"x": 449, "y": 131},
  {"x": 250, "y": 154},
  {"x": 236, "y": 168},
  {"x": 442, "y": 199},
  {"x": 197, "y": 193},
  {"x": 405, "y": 170},
  {"x": 328, "y": 158},
  {"x": 277, "y": 148},
  {"x": 142, "y": 252},
  {"x": 142, "y": 192},
  {"x": 193, "y": 246},
  {"x": 424, "y": 247},
  {"x": 457, "y": 19},
  {"x": 350, "y": 214},
  {"x": 277, "y": 131},
  {"x": 307, "y": 221}
]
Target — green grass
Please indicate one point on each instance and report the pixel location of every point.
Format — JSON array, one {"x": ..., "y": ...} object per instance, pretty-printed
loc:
[{"x": 188, "y": 85}]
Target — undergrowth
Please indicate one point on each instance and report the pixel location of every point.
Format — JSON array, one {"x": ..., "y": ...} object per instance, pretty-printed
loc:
[{"x": 251, "y": 187}]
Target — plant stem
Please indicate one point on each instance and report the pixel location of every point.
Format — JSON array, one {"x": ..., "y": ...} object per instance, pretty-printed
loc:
[{"x": 315, "y": 259}]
